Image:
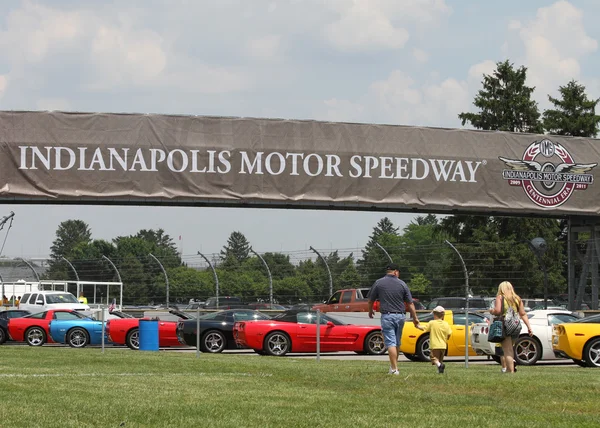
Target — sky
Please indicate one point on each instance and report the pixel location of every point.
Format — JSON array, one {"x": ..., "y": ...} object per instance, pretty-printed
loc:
[{"x": 406, "y": 62}]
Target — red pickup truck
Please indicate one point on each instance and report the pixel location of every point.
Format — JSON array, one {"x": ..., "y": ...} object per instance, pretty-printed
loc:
[
  {"x": 353, "y": 300},
  {"x": 349, "y": 300}
]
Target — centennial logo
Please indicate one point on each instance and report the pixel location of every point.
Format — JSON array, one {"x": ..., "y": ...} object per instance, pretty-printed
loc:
[{"x": 547, "y": 173}]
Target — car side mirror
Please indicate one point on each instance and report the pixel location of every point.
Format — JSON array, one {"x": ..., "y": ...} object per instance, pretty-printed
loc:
[{"x": 330, "y": 324}]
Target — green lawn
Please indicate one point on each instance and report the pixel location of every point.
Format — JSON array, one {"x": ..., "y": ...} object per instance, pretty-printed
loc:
[{"x": 63, "y": 387}]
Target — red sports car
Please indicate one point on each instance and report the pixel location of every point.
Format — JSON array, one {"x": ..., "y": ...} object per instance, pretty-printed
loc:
[
  {"x": 33, "y": 329},
  {"x": 126, "y": 331},
  {"x": 296, "y": 331}
]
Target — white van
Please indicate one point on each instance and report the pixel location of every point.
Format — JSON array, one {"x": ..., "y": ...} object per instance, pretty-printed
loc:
[{"x": 40, "y": 301}]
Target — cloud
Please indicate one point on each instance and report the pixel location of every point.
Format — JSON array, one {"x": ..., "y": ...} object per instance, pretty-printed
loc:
[
  {"x": 126, "y": 57},
  {"x": 364, "y": 25},
  {"x": 555, "y": 42},
  {"x": 476, "y": 71},
  {"x": 420, "y": 55},
  {"x": 34, "y": 31},
  {"x": 265, "y": 47},
  {"x": 400, "y": 99}
]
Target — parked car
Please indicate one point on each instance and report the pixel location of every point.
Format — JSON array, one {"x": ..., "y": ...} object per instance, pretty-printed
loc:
[
  {"x": 579, "y": 340},
  {"x": 454, "y": 303},
  {"x": 4, "y": 317},
  {"x": 216, "y": 329},
  {"x": 224, "y": 302},
  {"x": 39, "y": 301},
  {"x": 33, "y": 329},
  {"x": 257, "y": 306},
  {"x": 296, "y": 331},
  {"x": 415, "y": 342},
  {"x": 126, "y": 331},
  {"x": 528, "y": 349},
  {"x": 77, "y": 333}
]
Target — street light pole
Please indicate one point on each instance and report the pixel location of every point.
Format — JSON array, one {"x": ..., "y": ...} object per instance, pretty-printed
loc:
[{"x": 539, "y": 247}]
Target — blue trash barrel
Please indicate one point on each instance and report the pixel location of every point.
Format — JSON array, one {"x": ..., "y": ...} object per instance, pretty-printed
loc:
[{"x": 148, "y": 335}]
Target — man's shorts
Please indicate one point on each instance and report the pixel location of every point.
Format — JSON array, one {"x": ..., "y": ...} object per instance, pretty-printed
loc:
[{"x": 392, "y": 326}]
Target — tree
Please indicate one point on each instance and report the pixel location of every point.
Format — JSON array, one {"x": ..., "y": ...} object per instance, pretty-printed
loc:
[
  {"x": 505, "y": 102},
  {"x": 372, "y": 264},
  {"x": 70, "y": 234},
  {"x": 574, "y": 114},
  {"x": 237, "y": 247}
]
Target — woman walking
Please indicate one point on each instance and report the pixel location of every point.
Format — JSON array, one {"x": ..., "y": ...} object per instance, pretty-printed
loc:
[{"x": 509, "y": 303}]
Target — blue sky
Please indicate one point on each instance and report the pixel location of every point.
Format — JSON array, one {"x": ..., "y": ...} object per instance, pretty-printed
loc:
[{"x": 409, "y": 62}]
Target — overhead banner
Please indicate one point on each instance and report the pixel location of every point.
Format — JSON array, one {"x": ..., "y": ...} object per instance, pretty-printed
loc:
[{"x": 56, "y": 157}]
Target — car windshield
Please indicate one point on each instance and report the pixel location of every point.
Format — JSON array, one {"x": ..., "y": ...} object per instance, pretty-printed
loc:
[
  {"x": 594, "y": 319},
  {"x": 61, "y": 298}
]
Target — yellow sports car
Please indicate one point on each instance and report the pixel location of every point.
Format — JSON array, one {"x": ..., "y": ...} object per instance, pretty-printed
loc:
[
  {"x": 415, "y": 343},
  {"x": 578, "y": 340}
]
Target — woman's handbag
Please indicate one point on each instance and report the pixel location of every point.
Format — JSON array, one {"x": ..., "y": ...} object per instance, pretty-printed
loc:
[{"x": 496, "y": 333}]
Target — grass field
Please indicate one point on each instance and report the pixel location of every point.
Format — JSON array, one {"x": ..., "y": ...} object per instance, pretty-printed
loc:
[{"x": 63, "y": 387}]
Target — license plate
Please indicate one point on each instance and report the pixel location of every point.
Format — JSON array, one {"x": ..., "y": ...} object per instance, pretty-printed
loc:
[{"x": 476, "y": 337}]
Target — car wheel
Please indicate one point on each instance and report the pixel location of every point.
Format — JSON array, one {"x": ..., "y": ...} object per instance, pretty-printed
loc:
[
  {"x": 35, "y": 336},
  {"x": 496, "y": 358},
  {"x": 78, "y": 338},
  {"x": 3, "y": 336},
  {"x": 580, "y": 363},
  {"x": 423, "y": 351},
  {"x": 259, "y": 351},
  {"x": 277, "y": 344},
  {"x": 591, "y": 353},
  {"x": 133, "y": 339},
  {"x": 213, "y": 341},
  {"x": 374, "y": 344},
  {"x": 527, "y": 351},
  {"x": 412, "y": 357}
]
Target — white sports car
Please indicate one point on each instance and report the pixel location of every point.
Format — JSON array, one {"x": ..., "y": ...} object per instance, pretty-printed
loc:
[{"x": 528, "y": 350}]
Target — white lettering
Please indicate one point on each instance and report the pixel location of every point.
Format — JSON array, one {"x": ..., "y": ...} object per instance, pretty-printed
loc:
[
  {"x": 138, "y": 159},
  {"x": 156, "y": 155},
  {"x": 354, "y": 161},
  {"x": 224, "y": 159},
  {"x": 472, "y": 170},
  {"x": 333, "y": 163},
  {"x": 306, "y": 165},
  {"x": 247, "y": 164},
  {"x": 122, "y": 161},
  {"x": 295, "y": 157},
  {"x": 386, "y": 166},
  {"x": 268, "y": 166},
  {"x": 371, "y": 163},
  {"x": 58, "y": 158},
  {"x": 171, "y": 161},
  {"x": 415, "y": 169},
  {"x": 445, "y": 166}
]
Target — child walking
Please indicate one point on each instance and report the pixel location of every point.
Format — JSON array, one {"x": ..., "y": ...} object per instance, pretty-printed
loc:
[{"x": 439, "y": 333}]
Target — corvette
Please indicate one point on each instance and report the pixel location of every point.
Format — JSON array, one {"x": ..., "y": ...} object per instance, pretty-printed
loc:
[
  {"x": 126, "y": 331},
  {"x": 33, "y": 329},
  {"x": 579, "y": 340},
  {"x": 77, "y": 333},
  {"x": 296, "y": 331},
  {"x": 528, "y": 349},
  {"x": 415, "y": 343},
  {"x": 216, "y": 329},
  {"x": 4, "y": 317}
]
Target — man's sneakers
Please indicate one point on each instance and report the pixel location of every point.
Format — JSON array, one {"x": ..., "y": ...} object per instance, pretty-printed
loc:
[
  {"x": 441, "y": 368},
  {"x": 393, "y": 372}
]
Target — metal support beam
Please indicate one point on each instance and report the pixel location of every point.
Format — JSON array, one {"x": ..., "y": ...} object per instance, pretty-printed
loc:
[
  {"x": 328, "y": 270},
  {"x": 268, "y": 273}
]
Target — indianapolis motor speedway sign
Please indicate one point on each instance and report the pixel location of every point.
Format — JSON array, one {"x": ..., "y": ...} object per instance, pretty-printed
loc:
[{"x": 55, "y": 157}]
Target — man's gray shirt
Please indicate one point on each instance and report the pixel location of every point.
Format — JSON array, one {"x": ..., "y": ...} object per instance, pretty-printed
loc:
[{"x": 392, "y": 292}]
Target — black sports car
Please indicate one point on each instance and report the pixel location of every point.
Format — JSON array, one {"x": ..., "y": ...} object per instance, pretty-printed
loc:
[
  {"x": 216, "y": 329},
  {"x": 4, "y": 317}
]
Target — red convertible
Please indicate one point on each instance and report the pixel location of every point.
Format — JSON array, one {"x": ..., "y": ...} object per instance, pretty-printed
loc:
[
  {"x": 33, "y": 329},
  {"x": 126, "y": 331},
  {"x": 296, "y": 331}
]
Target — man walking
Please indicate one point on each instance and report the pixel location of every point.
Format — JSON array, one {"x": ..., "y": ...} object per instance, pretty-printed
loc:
[{"x": 394, "y": 298}]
